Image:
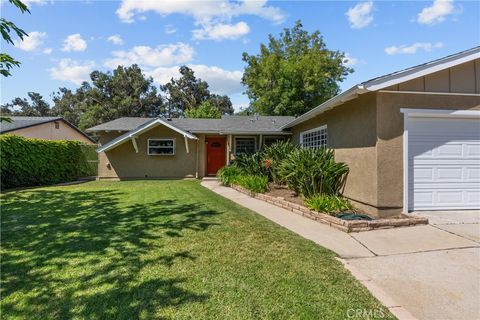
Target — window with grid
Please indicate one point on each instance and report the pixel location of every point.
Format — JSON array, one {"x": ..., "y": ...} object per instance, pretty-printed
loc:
[
  {"x": 316, "y": 138},
  {"x": 163, "y": 146},
  {"x": 244, "y": 145}
]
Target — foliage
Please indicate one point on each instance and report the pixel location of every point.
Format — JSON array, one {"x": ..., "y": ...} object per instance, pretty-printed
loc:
[
  {"x": 189, "y": 92},
  {"x": 36, "y": 107},
  {"x": 293, "y": 73},
  {"x": 31, "y": 162},
  {"x": 251, "y": 164},
  {"x": 257, "y": 184},
  {"x": 206, "y": 110},
  {"x": 161, "y": 250},
  {"x": 313, "y": 171},
  {"x": 328, "y": 204},
  {"x": 228, "y": 174},
  {"x": 7, "y": 62},
  {"x": 274, "y": 155}
]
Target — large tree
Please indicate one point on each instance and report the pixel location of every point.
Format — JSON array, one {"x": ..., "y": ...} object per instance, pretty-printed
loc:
[
  {"x": 293, "y": 73},
  {"x": 189, "y": 92},
  {"x": 125, "y": 92}
]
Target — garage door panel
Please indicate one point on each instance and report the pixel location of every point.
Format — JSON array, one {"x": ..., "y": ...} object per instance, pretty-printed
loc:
[{"x": 444, "y": 163}]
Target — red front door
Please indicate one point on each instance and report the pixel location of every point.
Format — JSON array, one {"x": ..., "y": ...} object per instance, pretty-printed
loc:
[{"x": 215, "y": 154}]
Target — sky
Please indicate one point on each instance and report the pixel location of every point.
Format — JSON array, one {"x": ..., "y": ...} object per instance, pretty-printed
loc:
[{"x": 69, "y": 39}]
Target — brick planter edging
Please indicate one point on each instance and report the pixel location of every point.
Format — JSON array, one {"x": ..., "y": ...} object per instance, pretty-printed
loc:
[{"x": 343, "y": 225}]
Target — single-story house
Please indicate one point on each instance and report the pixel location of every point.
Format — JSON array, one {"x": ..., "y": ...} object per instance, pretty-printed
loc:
[
  {"x": 49, "y": 128},
  {"x": 410, "y": 138}
]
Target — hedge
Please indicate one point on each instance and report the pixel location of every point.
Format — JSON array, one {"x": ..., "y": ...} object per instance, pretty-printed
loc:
[{"x": 31, "y": 162}]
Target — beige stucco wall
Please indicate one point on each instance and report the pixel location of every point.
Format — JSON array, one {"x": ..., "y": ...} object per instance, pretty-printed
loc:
[
  {"x": 464, "y": 78},
  {"x": 47, "y": 131},
  {"x": 124, "y": 163},
  {"x": 352, "y": 133},
  {"x": 390, "y": 137}
]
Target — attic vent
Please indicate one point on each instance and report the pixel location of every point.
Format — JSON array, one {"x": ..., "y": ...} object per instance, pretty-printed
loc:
[{"x": 169, "y": 119}]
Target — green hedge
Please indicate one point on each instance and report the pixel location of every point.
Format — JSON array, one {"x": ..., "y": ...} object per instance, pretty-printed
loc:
[{"x": 32, "y": 162}]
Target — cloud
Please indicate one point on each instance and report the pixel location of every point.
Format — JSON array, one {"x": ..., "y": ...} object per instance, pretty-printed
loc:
[
  {"x": 221, "y": 9},
  {"x": 73, "y": 71},
  {"x": 170, "y": 29},
  {"x": 74, "y": 42},
  {"x": 32, "y": 42},
  {"x": 221, "y": 81},
  {"x": 221, "y": 31},
  {"x": 360, "y": 15},
  {"x": 29, "y": 3},
  {"x": 349, "y": 61},
  {"x": 47, "y": 50},
  {"x": 115, "y": 39},
  {"x": 412, "y": 49},
  {"x": 145, "y": 56},
  {"x": 437, "y": 12}
]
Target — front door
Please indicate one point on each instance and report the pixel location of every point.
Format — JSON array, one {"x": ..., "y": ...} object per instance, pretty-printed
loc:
[{"x": 215, "y": 154}]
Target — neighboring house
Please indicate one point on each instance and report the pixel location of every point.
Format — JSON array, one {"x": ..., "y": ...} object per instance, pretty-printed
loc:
[
  {"x": 49, "y": 128},
  {"x": 425, "y": 118}
]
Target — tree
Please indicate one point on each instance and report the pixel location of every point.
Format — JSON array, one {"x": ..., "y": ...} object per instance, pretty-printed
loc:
[
  {"x": 185, "y": 93},
  {"x": 7, "y": 62},
  {"x": 293, "y": 73},
  {"x": 222, "y": 103},
  {"x": 124, "y": 93},
  {"x": 206, "y": 110},
  {"x": 36, "y": 107}
]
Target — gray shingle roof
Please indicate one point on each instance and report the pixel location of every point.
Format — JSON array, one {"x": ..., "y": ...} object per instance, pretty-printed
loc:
[
  {"x": 227, "y": 124},
  {"x": 24, "y": 122}
]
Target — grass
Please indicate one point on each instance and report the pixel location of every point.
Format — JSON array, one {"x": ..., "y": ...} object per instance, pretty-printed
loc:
[{"x": 161, "y": 249}]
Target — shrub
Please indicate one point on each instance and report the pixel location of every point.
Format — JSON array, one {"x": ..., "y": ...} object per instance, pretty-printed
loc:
[
  {"x": 329, "y": 204},
  {"x": 250, "y": 164},
  {"x": 257, "y": 184},
  {"x": 228, "y": 174},
  {"x": 31, "y": 162},
  {"x": 313, "y": 171},
  {"x": 273, "y": 155}
]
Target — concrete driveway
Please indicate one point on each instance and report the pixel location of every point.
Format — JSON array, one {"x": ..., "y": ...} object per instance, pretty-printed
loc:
[
  {"x": 432, "y": 271},
  {"x": 423, "y": 272}
]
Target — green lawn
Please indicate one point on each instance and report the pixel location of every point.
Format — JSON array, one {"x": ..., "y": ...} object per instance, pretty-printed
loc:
[{"x": 161, "y": 249}]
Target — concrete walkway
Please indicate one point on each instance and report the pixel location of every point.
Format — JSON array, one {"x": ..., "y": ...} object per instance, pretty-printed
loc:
[{"x": 423, "y": 272}]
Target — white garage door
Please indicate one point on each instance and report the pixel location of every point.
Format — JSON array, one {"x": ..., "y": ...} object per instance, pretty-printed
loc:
[{"x": 444, "y": 163}]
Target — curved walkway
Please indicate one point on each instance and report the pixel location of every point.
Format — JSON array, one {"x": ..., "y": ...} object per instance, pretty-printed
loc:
[{"x": 424, "y": 272}]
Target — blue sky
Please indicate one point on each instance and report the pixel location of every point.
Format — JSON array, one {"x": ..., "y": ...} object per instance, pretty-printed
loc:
[{"x": 69, "y": 39}]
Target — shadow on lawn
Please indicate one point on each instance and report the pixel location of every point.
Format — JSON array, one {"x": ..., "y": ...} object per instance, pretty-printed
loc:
[{"x": 105, "y": 241}]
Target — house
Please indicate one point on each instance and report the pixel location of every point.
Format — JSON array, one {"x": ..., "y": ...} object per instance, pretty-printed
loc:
[
  {"x": 410, "y": 138},
  {"x": 49, "y": 128}
]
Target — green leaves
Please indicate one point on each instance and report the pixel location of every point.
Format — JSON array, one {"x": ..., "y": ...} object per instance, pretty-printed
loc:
[
  {"x": 206, "y": 110},
  {"x": 293, "y": 73},
  {"x": 329, "y": 204},
  {"x": 31, "y": 162}
]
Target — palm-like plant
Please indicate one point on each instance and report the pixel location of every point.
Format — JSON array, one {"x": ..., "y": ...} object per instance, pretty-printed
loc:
[
  {"x": 273, "y": 155},
  {"x": 313, "y": 171}
]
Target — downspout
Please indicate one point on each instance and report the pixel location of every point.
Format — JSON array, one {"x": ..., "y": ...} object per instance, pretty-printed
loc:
[{"x": 196, "y": 161}]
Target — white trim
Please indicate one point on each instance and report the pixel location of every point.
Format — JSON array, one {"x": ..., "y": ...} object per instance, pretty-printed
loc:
[
  {"x": 405, "y": 163},
  {"x": 186, "y": 144},
  {"x": 134, "y": 142},
  {"x": 322, "y": 127},
  {"x": 439, "y": 113},
  {"x": 161, "y": 139},
  {"x": 433, "y": 93},
  {"x": 389, "y": 80},
  {"x": 139, "y": 130}
]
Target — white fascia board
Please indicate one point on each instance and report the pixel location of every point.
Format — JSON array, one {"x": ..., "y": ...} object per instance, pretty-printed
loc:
[
  {"x": 351, "y": 93},
  {"x": 143, "y": 128},
  {"x": 439, "y": 113},
  {"x": 420, "y": 71}
]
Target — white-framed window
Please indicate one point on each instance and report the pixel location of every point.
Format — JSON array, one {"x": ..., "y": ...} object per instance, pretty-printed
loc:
[
  {"x": 161, "y": 147},
  {"x": 314, "y": 138},
  {"x": 245, "y": 145}
]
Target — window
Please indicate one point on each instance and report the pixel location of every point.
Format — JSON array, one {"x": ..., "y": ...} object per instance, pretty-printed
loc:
[
  {"x": 245, "y": 145},
  {"x": 57, "y": 125},
  {"x": 268, "y": 141},
  {"x": 315, "y": 138},
  {"x": 161, "y": 146}
]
